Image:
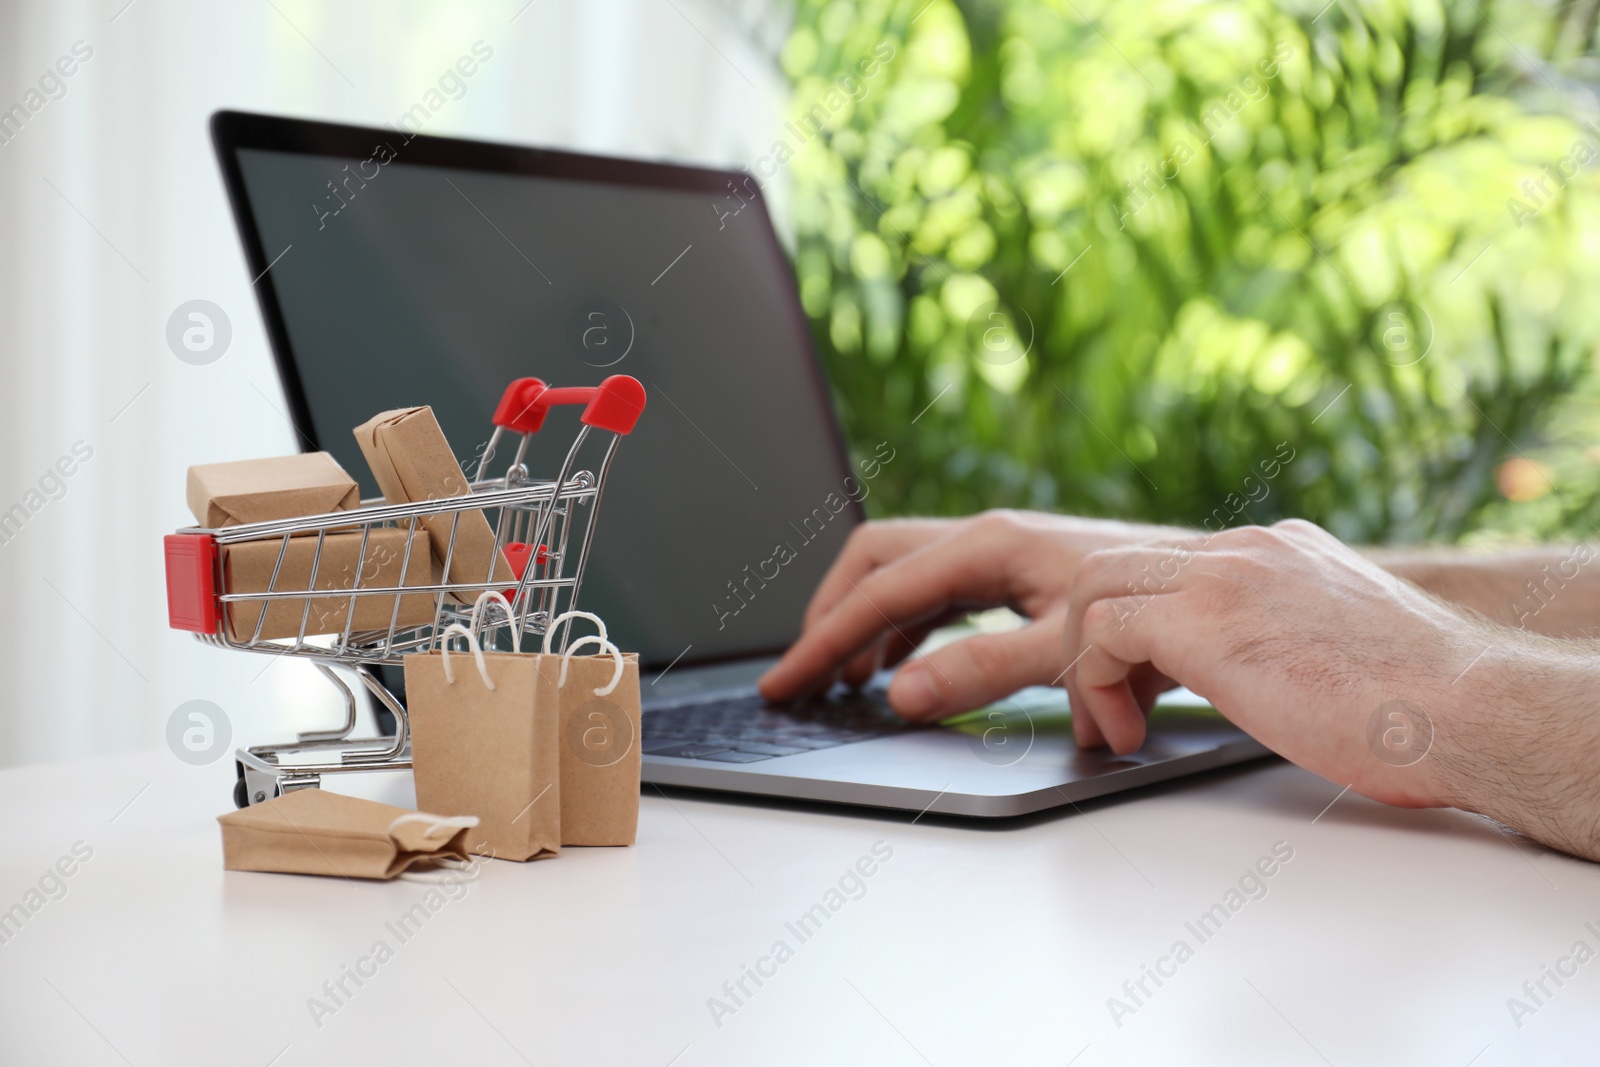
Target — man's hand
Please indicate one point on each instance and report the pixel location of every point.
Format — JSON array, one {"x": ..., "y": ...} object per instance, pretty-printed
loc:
[
  {"x": 896, "y": 581},
  {"x": 1294, "y": 637},
  {"x": 1320, "y": 654}
]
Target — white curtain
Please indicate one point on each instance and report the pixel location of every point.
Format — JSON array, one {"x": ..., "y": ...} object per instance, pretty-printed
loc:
[{"x": 112, "y": 214}]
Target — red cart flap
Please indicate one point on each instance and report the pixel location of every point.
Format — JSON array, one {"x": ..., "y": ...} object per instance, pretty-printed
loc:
[{"x": 191, "y": 582}]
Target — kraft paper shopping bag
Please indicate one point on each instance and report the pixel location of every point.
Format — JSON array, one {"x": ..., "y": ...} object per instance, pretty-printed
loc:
[
  {"x": 485, "y": 737},
  {"x": 600, "y": 737}
]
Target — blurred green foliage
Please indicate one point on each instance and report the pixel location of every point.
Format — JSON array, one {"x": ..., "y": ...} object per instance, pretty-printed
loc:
[{"x": 1124, "y": 257}]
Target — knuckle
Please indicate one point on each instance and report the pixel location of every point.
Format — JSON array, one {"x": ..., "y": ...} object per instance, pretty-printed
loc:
[
  {"x": 867, "y": 531},
  {"x": 1241, "y": 563},
  {"x": 1308, "y": 536},
  {"x": 1094, "y": 564},
  {"x": 1091, "y": 575},
  {"x": 998, "y": 520},
  {"x": 1103, "y": 563},
  {"x": 1099, "y": 616},
  {"x": 1299, "y": 527},
  {"x": 1248, "y": 537},
  {"x": 1101, "y": 560}
]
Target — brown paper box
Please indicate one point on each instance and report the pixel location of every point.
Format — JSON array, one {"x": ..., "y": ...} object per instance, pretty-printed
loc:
[
  {"x": 262, "y": 490},
  {"x": 247, "y": 568},
  {"x": 412, "y": 462},
  {"x": 493, "y": 754},
  {"x": 600, "y": 755},
  {"x": 310, "y": 831}
]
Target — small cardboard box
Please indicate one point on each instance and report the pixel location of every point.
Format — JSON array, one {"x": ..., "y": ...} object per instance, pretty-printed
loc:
[
  {"x": 262, "y": 490},
  {"x": 247, "y": 568},
  {"x": 412, "y": 462}
]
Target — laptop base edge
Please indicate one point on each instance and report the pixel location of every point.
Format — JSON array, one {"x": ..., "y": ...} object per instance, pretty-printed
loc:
[{"x": 691, "y": 774}]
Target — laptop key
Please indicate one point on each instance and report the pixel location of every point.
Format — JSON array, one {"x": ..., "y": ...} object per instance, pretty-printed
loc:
[
  {"x": 769, "y": 750},
  {"x": 753, "y": 731},
  {"x": 689, "y": 751},
  {"x": 731, "y": 756},
  {"x": 809, "y": 742}
]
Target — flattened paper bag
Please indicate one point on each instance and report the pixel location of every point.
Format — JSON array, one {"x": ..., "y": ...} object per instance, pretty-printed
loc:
[{"x": 310, "y": 831}]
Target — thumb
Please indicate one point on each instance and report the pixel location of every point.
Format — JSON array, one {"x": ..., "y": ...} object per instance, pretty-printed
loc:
[{"x": 977, "y": 670}]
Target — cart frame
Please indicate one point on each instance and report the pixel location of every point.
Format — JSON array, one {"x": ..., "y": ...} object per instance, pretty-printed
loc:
[{"x": 542, "y": 531}]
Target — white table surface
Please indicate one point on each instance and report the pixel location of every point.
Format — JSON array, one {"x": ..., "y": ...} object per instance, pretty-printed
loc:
[{"x": 1391, "y": 937}]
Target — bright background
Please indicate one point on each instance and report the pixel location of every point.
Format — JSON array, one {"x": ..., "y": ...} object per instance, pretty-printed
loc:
[
  {"x": 1137, "y": 254},
  {"x": 112, "y": 213},
  {"x": 1120, "y": 257}
]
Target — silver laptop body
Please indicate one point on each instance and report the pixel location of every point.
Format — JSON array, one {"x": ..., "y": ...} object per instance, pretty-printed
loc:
[{"x": 1010, "y": 759}]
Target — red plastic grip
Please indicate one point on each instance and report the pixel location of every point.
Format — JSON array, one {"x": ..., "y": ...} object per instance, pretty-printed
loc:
[
  {"x": 191, "y": 582},
  {"x": 615, "y": 404},
  {"x": 516, "y": 403},
  {"x": 618, "y": 402},
  {"x": 517, "y": 554}
]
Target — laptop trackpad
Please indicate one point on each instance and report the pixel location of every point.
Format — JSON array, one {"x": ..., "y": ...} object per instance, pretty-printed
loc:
[{"x": 1020, "y": 745}]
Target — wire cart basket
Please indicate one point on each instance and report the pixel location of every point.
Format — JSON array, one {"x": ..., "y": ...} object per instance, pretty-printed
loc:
[{"x": 542, "y": 531}]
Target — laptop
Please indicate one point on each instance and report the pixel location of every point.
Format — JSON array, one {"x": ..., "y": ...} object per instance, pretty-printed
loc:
[{"x": 395, "y": 269}]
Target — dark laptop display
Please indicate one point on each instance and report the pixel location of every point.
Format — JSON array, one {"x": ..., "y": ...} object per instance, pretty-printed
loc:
[{"x": 435, "y": 271}]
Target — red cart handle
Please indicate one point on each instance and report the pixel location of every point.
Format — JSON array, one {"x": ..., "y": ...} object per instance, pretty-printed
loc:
[{"x": 615, "y": 404}]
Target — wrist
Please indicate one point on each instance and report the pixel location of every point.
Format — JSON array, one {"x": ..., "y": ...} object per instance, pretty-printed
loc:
[
  {"x": 1521, "y": 742},
  {"x": 1549, "y": 590},
  {"x": 1455, "y": 581}
]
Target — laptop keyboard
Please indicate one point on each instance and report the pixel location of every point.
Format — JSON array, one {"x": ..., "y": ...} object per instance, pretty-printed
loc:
[{"x": 746, "y": 729}]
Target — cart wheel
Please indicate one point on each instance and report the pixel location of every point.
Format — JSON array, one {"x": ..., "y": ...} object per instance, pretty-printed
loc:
[{"x": 241, "y": 794}]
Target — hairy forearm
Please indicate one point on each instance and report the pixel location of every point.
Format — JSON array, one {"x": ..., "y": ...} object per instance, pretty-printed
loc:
[
  {"x": 1525, "y": 748},
  {"x": 1553, "y": 590}
]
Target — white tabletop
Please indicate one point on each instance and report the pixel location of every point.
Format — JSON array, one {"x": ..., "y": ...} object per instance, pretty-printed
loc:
[{"x": 1389, "y": 937}]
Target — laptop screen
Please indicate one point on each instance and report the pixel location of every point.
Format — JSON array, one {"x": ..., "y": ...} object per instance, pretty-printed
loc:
[{"x": 399, "y": 282}]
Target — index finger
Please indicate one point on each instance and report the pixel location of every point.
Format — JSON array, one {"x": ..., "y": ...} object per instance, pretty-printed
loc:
[
  {"x": 967, "y": 567},
  {"x": 869, "y": 547},
  {"x": 1127, "y": 580}
]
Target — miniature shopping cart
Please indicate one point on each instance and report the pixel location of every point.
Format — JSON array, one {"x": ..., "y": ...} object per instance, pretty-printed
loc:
[{"x": 542, "y": 530}]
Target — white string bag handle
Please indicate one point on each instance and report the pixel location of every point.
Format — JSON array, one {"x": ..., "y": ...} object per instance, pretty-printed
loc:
[
  {"x": 550, "y": 631},
  {"x": 477, "y": 654},
  {"x": 601, "y": 639},
  {"x": 437, "y": 824},
  {"x": 496, "y": 597},
  {"x": 605, "y": 646},
  {"x": 470, "y": 632}
]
